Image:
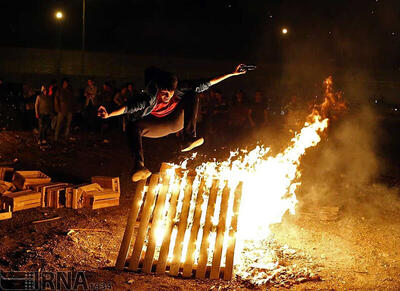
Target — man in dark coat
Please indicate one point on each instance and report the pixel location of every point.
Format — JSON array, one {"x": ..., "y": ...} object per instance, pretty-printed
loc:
[
  {"x": 166, "y": 106},
  {"x": 64, "y": 104}
]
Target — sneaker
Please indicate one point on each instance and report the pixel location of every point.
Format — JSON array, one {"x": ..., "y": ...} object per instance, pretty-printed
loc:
[
  {"x": 141, "y": 174},
  {"x": 191, "y": 144}
]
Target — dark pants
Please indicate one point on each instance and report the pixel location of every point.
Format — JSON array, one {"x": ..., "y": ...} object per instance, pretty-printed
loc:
[
  {"x": 60, "y": 119},
  {"x": 44, "y": 125},
  {"x": 183, "y": 117}
]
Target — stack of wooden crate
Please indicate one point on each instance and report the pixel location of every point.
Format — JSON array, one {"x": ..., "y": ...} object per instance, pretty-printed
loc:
[
  {"x": 110, "y": 194},
  {"x": 31, "y": 189}
]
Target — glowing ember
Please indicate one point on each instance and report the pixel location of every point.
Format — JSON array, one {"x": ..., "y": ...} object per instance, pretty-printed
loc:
[{"x": 269, "y": 187}]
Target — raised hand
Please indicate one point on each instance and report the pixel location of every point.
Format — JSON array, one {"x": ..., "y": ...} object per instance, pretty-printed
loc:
[{"x": 102, "y": 112}]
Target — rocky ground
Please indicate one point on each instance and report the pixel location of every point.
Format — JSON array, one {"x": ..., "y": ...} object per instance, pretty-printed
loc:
[{"x": 360, "y": 250}]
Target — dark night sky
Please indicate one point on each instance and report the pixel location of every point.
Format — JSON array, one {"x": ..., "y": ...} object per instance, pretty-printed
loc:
[{"x": 344, "y": 31}]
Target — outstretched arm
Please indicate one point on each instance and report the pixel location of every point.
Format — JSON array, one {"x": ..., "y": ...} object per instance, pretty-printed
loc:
[
  {"x": 237, "y": 72},
  {"x": 102, "y": 112},
  {"x": 203, "y": 85}
]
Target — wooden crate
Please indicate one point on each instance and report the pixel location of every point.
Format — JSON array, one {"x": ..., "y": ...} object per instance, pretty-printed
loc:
[
  {"x": 101, "y": 199},
  {"x": 23, "y": 179},
  {"x": 79, "y": 192},
  {"x": 69, "y": 190},
  {"x": 21, "y": 200},
  {"x": 6, "y": 173},
  {"x": 108, "y": 182},
  {"x": 44, "y": 189},
  {"x": 189, "y": 224}
]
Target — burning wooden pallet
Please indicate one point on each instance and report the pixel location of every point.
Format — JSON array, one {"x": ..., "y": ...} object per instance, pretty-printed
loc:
[{"x": 151, "y": 202}]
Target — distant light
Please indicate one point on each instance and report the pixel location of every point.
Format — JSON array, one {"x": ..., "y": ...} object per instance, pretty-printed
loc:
[
  {"x": 284, "y": 30},
  {"x": 59, "y": 15}
]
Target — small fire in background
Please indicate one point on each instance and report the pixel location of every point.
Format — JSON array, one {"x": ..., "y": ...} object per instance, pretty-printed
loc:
[{"x": 269, "y": 191}]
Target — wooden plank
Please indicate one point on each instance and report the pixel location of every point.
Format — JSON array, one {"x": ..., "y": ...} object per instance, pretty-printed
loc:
[
  {"x": 177, "y": 254},
  {"x": 188, "y": 265},
  {"x": 108, "y": 182},
  {"x": 164, "y": 250},
  {"x": 216, "y": 262},
  {"x": 5, "y": 215},
  {"x": 27, "y": 205},
  {"x": 68, "y": 196},
  {"x": 156, "y": 223},
  {"x": 144, "y": 223},
  {"x": 130, "y": 225},
  {"x": 105, "y": 203},
  {"x": 230, "y": 252},
  {"x": 203, "y": 256}
]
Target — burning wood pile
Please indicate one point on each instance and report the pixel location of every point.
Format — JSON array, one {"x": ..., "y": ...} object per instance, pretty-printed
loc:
[
  {"x": 21, "y": 190},
  {"x": 173, "y": 213},
  {"x": 188, "y": 235}
]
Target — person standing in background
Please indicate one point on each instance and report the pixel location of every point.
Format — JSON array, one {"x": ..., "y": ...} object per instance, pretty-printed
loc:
[
  {"x": 52, "y": 93},
  {"x": 29, "y": 107},
  {"x": 64, "y": 106},
  {"x": 44, "y": 107},
  {"x": 91, "y": 94},
  {"x": 91, "y": 104}
]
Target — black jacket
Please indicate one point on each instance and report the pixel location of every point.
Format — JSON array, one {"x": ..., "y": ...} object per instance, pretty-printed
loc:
[{"x": 143, "y": 103}]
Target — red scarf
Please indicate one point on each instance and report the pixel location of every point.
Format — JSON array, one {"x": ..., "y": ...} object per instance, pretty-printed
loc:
[{"x": 163, "y": 109}]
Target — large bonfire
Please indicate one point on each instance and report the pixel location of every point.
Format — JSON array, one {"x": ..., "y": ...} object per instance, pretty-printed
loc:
[{"x": 269, "y": 191}]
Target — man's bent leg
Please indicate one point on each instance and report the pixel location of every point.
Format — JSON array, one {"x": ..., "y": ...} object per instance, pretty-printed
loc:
[
  {"x": 151, "y": 127},
  {"x": 190, "y": 107},
  {"x": 134, "y": 137}
]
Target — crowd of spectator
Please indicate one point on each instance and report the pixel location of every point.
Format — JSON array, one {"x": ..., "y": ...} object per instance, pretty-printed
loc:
[{"x": 54, "y": 108}]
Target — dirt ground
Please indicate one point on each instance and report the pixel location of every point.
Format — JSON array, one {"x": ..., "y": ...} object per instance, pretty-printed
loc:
[{"x": 358, "y": 251}]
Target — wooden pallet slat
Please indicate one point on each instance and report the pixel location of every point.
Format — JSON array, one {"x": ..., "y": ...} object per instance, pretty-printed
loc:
[
  {"x": 144, "y": 222},
  {"x": 203, "y": 256},
  {"x": 176, "y": 259},
  {"x": 188, "y": 265},
  {"x": 216, "y": 262},
  {"x": 230, "y": 252},
  {"x": 164, "y": 250},
  {"x": 158, "y": 210}
]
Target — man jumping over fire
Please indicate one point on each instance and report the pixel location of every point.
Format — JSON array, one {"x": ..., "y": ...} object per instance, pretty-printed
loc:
[{"x": 166, "y": 106}]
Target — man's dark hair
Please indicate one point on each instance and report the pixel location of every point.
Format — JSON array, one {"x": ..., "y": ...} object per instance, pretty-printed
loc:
[
  {"x": 65, "y": 80},
  {"x": 162, "y": 79}
]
